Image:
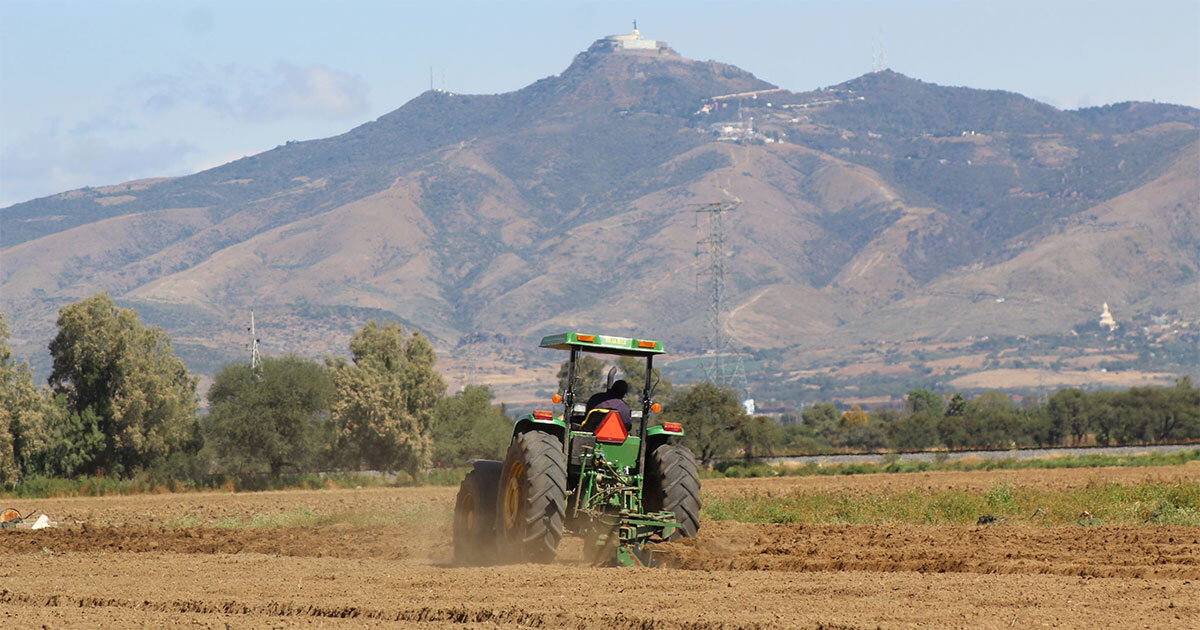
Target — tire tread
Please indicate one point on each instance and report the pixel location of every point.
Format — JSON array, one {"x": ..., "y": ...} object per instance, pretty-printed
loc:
[{"x": 673, "y": 484}]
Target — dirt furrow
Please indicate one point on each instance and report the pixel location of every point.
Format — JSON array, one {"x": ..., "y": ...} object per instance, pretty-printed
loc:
[
  {"x": 391, "y": 542},
  {"x": 1126, "y": 552},
  {"x": 428, "y": 615}
]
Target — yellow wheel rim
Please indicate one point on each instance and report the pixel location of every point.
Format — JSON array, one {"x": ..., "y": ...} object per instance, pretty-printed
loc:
[{"x": 514, "y": 491}]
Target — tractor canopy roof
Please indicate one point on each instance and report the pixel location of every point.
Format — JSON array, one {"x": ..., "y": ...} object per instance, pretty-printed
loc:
[{"x": 603, "y": 344}]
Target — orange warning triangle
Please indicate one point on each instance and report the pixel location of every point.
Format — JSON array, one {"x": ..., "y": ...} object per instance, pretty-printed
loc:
[{"x": 612, "y": 429}]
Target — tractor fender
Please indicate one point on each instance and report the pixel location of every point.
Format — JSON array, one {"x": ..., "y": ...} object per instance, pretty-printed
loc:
[
  {"x": 658, "y": 435},
  {"x": 529, "y": 422},
  {"x": 486, "y": 466}
]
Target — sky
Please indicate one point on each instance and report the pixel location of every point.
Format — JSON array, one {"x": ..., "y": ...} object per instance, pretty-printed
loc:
[{"x": 100, "y": 92}]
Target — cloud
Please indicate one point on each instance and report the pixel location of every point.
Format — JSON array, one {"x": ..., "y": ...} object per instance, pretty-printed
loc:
[
  {"x": 111, "y": 119},
  {"x": 285, "y": 91},
  {"x": 313, "y": 91},
  {"x": 143, "y": 128},
  {"x": 50, "y": 162}
]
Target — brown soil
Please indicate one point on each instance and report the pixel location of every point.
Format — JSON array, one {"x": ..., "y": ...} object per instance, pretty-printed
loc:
[
  {"x": 391, "y": 542},
  {"x": 1016, "y": 378},
  {"x": 130, "y": 562},
  {"x": 206, "y": 508},
  {"x": 1123, "y": 552}
]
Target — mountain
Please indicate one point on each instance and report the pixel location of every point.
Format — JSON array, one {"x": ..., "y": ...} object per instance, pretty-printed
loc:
[{"x": 881, "y": 208}]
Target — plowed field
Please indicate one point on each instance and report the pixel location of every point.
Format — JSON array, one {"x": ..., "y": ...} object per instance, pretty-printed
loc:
[{"x": 381, "y": 557}]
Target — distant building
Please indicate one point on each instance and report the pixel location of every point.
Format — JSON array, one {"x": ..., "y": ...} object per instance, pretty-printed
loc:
[
  {"x": 1106, "y": 319},
  {"x": 632, "y": 42}
]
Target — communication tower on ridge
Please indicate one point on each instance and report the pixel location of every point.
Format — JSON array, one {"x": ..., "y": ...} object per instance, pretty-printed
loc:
[{"x": 878, "y": 56}]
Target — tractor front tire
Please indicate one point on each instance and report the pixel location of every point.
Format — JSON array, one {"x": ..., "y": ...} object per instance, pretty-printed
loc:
[
  {"x": 532, "y": 501},
  {"x": 673, "y": 484},
  {"x": 475, "y": 515}
]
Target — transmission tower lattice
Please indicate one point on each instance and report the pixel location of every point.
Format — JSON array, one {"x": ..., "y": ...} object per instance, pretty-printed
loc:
[
  {"x": 721, "y": 368},
  {"x": 255, "y": 357}
]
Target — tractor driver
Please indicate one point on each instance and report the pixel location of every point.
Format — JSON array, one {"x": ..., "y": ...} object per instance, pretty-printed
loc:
[{"x": 614, "y": 400}]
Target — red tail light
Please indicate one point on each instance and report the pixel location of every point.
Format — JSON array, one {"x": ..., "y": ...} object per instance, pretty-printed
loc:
[
  {"x": 672, "y": 427},
  {"x": 543, "y": 415},
  {"x": 612, "y": 429}
]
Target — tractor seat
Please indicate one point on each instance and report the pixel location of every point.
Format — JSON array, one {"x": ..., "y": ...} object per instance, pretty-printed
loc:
[
  {"x": 593, "y": 418},
  {"x": 606, "y": 424}
]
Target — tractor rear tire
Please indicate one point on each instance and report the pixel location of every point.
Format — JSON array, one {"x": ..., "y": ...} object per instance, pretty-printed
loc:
[
  {"x": 532, "y": 501},
  {"x": 673, "y": 484},
  {"x": 475, "y": 515}
]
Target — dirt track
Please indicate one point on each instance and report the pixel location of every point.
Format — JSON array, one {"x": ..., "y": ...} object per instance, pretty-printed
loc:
[{"x": 381, "y": 557}]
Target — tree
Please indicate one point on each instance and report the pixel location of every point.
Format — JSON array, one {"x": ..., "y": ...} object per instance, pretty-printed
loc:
[
  {"x": 268, "y": 416},
  {"x": 1131, "y": 421},
  {"x": 383, "y": 401},
  {"x": 1186, "y": 406},
  {"x": 854, "y": 416},
  {"x": 957, "y": 407},
  {"x": 758, "y": 436},
  {"x": 914, "y": 432},
  {"x": 952, "y": 431},
  {"x": 824, "y": 422},
  {"x": 71, "y": 445},
  {"x": 857, "y": 430},
  {"x": 142, "y": 397},
  {"x": 1038, "y": 428},
  {"x": 590, "y": 373},
  {"x": 709, "y": 414},
  {"x": 1164, "y": 414},
  {"x": 1069, "y": 414},
  {"x": 991, "y": 421},
  {"x": 821, "y": 414},
  {"x": 467, "y": 425},
  {"x": 924, "y": 401},
  {"x": 1103, "y": 418},
  {"x": 25, "y": 413},
  {"x": 633, "y": 370}
]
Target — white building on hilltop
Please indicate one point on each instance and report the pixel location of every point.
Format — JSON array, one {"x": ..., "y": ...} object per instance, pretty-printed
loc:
[{"x": 632, "y": 42}]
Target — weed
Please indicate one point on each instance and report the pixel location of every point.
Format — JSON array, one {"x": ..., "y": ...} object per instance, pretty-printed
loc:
[
  {"x": 1149, "y": 502},
  {"x": 893, "y": 464}
]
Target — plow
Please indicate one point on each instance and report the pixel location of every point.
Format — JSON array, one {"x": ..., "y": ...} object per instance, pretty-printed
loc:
[{"x": 603, "y": 472}]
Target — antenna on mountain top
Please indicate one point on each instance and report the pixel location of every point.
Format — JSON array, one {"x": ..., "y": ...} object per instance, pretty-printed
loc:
[
  {"x": 430, "y": 78},
  {"x": 255, "y": 357},
  {"x": 878, "y": 56}
]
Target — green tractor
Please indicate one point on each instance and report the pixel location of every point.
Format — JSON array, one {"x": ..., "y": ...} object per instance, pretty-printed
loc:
[{"x": 582, "y": 472}]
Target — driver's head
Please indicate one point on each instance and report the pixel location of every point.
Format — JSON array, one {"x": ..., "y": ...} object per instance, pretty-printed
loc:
[{"x": 619, "y": 389}]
